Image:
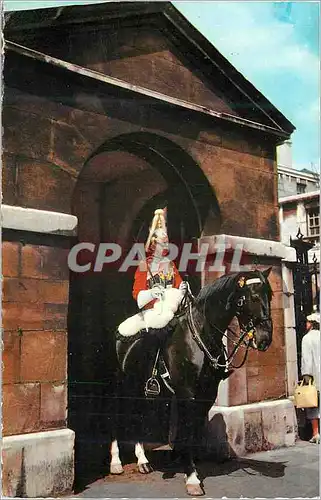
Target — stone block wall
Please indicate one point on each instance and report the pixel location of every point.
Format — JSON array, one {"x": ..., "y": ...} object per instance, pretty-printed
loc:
[
  {"x": 264, "y": 375},
  {"x": 266, "y": 371},
  {"x": 252, "y": 428},
  {"x": 41, "y": 167},
  {"x": 242, "y": 171},
  {"x": 239, "y": 165},
  {"x": 41, "y": 171},
  {"x": 40, "y": 464},
  {"x": 142, "y": 56},
  {"x": 52, "y": 125},
  {"x": 35, "y": 304}
]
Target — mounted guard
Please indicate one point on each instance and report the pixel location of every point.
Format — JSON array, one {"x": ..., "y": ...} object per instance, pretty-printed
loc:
[
  {"x": 196, "y": 358},
  {"x": 158, "y": 287}
]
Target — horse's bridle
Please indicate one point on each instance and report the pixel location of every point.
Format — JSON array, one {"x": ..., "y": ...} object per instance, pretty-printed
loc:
[
  {"x": 214, "y": 361},
  {"x": 245, "y": 339}
]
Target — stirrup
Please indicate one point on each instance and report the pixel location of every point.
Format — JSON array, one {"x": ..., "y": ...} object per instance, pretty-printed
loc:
[
  {"x": 165, "y": 376},
  {"x": 152, "y": 387}
]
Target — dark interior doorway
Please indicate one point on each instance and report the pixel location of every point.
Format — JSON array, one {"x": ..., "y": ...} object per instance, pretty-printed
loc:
[{"x": 116, "y": 194}]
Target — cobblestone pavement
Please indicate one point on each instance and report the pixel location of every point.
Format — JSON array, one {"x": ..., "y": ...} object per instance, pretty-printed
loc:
[{"x": 286, "y": 473}]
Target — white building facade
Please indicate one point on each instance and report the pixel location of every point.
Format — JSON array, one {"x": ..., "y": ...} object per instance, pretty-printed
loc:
[
  {"x": 299, "y": 210},
  {"x": 291, "y": 181},
  {"x": 299, "y": 201}
]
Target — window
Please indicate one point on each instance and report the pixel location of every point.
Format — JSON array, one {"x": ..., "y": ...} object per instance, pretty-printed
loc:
[
  {"x": 314, "y": 222},
  {"x": 300, "y": 188}
]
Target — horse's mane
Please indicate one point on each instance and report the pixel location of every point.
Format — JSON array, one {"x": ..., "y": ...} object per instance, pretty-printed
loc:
[
  {"x": 227, "y": 284},
  {"x": 224, "y": 285}
]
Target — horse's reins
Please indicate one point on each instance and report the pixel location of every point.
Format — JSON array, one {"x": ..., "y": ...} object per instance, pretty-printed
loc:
[
  {"x": 214, "y": 360},
  {"x": 197, "y": 338},
  {"x": 245, "y": 331}
]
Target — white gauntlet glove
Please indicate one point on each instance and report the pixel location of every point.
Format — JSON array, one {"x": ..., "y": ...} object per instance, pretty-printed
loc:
[
  {"x": 157, "y": 292},
  {"x": 146, "y": 296},
  {"x": 184, "y": 286}
]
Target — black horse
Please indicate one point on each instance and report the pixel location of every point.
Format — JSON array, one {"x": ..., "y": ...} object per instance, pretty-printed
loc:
[{"x": 196, "y": 359}]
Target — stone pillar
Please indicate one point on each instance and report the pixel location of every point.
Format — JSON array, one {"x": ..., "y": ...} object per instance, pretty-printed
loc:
[
  {"x": 38, "y": 454},
  {"x": 289, "y": 327},
  {"x": 253, "y": 382},
  {"x": 241, "y": 415}
]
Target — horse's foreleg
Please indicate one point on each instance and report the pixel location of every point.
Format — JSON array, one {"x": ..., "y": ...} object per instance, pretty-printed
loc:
[
  {"x": 144, "y": 466},
  {"x": 192, "y": 481},
  {"x": 115, "y": 462},
  {"x": 193, "y": 485}
]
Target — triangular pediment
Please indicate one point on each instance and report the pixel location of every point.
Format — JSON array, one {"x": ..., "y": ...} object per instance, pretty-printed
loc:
[{"x": 148, "y": 44}]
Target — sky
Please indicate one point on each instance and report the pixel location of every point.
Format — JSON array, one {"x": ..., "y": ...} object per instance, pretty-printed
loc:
[{"x": 275, "y": 45}]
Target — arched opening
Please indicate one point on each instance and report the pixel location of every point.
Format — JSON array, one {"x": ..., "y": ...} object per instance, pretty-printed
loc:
[{"x": 119, "y": 188}]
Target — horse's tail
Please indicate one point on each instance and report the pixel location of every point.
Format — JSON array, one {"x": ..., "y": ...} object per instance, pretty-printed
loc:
[{"x": 116, "y": 396}]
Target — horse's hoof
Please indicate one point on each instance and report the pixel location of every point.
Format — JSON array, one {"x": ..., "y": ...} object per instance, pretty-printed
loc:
[
  {"x": 116, "y": 469},
  {"x": 195, "y": 490},
  {"x": 145, "y": 468}
]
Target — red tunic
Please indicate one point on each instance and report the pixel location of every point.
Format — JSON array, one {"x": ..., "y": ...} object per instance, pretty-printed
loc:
[{"x": 141, "y": 280}]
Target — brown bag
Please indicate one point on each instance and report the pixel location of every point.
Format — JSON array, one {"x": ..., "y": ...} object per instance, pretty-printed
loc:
[{"x": 306, "y": 396}]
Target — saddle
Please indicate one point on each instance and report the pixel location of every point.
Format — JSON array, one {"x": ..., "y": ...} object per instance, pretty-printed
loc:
[
  {"x": 159, "y": 371},
  {"x": 157, "y": 317}
]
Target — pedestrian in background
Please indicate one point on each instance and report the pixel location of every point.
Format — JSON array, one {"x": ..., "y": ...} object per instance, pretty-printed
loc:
[{"x": 310, "y": 368}]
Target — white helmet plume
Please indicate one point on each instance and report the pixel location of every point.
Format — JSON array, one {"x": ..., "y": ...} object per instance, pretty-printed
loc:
[{"x": 157, "y": 223}]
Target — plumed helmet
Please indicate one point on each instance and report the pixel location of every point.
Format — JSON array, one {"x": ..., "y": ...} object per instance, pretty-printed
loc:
[{"x": 158, "y": 222}]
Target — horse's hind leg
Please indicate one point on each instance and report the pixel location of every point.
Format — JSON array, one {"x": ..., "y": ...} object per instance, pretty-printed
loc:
[
  {"x": 115, "y": 462},
  {"x": 184, "y": 441},
  {"x": 144, "y": 466}
]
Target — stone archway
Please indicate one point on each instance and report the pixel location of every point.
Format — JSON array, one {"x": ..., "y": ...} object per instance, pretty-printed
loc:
[{"x": 116, "y": 193}]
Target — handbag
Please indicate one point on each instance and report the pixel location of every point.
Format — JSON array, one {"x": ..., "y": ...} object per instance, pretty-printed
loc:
[{"x": 306, "y": 396}]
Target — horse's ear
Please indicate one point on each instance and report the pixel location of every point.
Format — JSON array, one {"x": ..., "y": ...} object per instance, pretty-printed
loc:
[{"x": 266, "y": 273}]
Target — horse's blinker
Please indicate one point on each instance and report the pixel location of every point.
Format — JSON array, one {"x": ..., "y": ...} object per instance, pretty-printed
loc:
[{"x": 241, "y": 301}]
